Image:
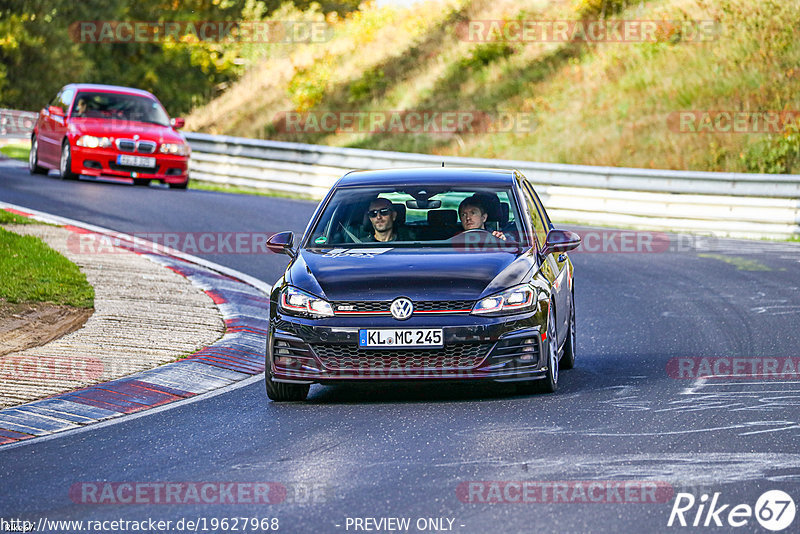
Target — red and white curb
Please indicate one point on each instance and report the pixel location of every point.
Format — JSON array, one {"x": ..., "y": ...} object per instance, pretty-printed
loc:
[{"x": 233, "y": 361}]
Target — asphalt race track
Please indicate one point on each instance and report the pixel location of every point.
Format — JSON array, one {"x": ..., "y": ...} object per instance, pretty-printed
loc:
[{"x": 409, "y": 452}]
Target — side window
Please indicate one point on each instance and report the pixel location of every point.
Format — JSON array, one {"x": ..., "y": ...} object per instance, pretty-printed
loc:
[
  {"x": 539, "y": 227},
  {"x": 56, "y": 100},
  {"x": 539, "y": 206},
  {"x": 65, "y": 99}
]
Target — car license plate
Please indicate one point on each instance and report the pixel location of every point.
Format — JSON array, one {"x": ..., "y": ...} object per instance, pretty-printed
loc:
[
  {"x": 136, "y": 161},
  {"x": 403, "y": 338}
]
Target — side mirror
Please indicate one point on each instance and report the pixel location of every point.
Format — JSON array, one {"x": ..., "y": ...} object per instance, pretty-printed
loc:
[
  {"x": 177, "y": 122},
  {"x": 560, "y": 241},
  {"x": 55, "y": 110},
  {"x": 281, "y": 243}
]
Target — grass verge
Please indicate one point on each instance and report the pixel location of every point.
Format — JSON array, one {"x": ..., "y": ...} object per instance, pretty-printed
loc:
[
  {"x": 34, "y": 272},
  {"x": 16, "y": 151},
  {"x": 12, "y": 218}
]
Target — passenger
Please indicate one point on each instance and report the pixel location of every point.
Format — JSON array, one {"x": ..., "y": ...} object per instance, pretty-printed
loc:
[{"x": 473, "y": 214}]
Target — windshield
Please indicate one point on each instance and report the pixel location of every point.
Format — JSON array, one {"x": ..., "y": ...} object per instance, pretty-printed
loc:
[
  {"x": 434, "y": 216},
  {"x": 119, "y": 106}
]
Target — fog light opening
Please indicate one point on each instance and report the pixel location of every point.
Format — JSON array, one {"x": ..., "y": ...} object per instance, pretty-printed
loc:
[{"x": 285, "y": 361}]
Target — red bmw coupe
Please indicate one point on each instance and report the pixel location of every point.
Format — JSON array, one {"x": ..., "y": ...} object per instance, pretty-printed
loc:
[{"x": 109, "y": 131}]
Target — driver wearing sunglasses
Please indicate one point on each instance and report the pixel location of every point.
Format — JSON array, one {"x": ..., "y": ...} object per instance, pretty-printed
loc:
[{"x": 382, "y": 216}]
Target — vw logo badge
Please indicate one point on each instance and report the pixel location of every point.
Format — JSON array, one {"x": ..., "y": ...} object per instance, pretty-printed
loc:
[{"x": 402, "y": 308}]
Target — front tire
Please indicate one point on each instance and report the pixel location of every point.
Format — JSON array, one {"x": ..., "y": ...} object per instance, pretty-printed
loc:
[
  {"x": 568, "y": 358},
  {"x": 66, "y": 163},
  {"x": 550, "y": 382},
  {"x": 33, "y": 158},
  {"x": 281, "y": 392}
]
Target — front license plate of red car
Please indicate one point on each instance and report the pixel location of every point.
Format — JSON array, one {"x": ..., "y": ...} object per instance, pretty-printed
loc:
[
  {"x": 400, "y": 338},
  {"x": 136, "y": 161}
]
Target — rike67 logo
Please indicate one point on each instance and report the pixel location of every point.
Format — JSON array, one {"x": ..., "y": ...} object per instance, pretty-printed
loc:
[{"x": 774, "y": 510}]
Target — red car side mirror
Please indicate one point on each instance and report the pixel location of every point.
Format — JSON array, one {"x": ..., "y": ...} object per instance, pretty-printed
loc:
[
  {"x": 177, "y": 122},
  {"x": 55, "y": 110}
]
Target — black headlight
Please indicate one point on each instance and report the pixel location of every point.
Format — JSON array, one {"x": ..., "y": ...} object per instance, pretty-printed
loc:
[
  {"x": 517, "y": 299},
  {"x": 297, "y": 302}
]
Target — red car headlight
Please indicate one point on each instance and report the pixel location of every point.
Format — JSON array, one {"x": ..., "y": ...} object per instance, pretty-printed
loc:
[
  {"x": 177, "y": 149},
  {"x": 90, "y": 141}
]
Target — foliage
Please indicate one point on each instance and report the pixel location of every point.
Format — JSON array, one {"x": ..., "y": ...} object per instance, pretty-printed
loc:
[
  {"x": 42, "y": 49},
  {"x": 483, "y": 54},
  {"x": 600, "y": 9},
  {"x": 605, "y": 103},
  {"x": 307, "y": 86},
  {"x": 373, "y": 82},
  {"x": 776, "y": 153}
]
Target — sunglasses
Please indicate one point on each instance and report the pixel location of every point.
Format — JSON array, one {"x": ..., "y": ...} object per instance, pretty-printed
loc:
[{"x": 374, "y": 213}]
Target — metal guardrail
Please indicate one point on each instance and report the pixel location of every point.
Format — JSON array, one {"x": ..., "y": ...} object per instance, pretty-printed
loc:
[{"x": 724, "y": 204}]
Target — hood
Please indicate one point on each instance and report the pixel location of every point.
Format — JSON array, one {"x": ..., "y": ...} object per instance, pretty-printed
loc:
[
  {"x": 419, "y": 274},
  {"x": 125, "y": 129}
]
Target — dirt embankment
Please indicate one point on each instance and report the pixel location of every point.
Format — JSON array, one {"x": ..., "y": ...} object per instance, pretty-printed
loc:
[{"x": 32, "y": 324}]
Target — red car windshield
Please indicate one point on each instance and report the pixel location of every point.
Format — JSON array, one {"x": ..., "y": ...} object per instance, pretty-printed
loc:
[{"x": 118, "y": 106}]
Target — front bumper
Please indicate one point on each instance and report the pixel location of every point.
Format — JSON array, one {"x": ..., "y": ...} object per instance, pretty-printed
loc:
[
  {"x": 502, "y": 349},
  {"x": 99, "y": 162}
]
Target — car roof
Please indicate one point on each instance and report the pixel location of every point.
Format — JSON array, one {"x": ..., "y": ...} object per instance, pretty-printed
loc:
[
  {"x": 109, "y": 89},
  {"x": 429, "y": 176}
]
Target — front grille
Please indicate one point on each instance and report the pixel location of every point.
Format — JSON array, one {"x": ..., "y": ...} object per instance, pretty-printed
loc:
[
  {"x": 362, "y": 306},
  {"x": 146, "y": 147},
  {"x": 351, "y": 358},
  {"x": 129, "y": 145},
  {"x": 126, "y": 145},
  {"x": 445, "y": 305},
  {"x": 378, "y": 307}
]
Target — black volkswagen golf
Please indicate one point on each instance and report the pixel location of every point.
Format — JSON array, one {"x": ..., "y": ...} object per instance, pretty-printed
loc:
[{"x": 423, "y": 274}]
